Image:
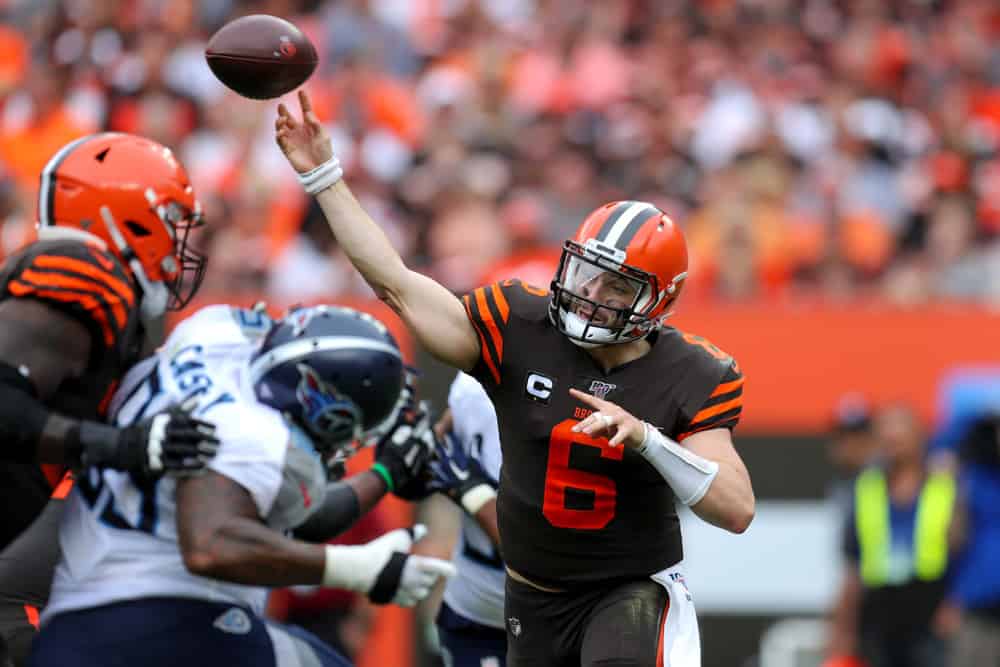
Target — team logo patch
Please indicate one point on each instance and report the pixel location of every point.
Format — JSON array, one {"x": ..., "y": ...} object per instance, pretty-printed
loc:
[
  {"x": 601, "y": 389},
  {"x": 515, "y": 626},
  {"x": 234, "y": 621}
]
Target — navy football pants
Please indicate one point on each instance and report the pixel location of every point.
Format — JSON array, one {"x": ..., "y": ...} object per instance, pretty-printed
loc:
[{"x": 167, "y": 632}]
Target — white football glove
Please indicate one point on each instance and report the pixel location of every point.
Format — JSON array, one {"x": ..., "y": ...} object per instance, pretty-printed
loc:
[{"x": 384, "y": 570}]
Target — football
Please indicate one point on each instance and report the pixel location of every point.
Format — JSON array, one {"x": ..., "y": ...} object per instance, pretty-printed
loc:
[{"x": 261, "y": 56}]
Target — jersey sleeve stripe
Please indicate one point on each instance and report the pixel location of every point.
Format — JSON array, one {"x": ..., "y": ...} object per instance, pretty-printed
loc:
[
  {"x": 715, "y": 399},
  {"x": 501, "y": 302},
  {"x": 476, "y": 315},
  {"x": 87, "y": 301},
  {"x": 727, "y": 387},
  {"x": 109, "y": 281},
  {"x": 72, "y": 283},
  {"x": 724, "y": 421},
  {"x": 483, "y": 345},
  {"x": 486, "y": 317},
  {"x": 713, "y": 410}
]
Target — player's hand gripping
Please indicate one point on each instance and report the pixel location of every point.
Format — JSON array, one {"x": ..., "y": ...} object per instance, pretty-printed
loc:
[
  {"x": 305, "y": 142},
  {"x": 173, "y": 442},
  {"x": 609, "y": 421},
  {"x": 459, "y": 474},
  {"x": 404, "y": 451},
  {"x": 384, "y": 570}
]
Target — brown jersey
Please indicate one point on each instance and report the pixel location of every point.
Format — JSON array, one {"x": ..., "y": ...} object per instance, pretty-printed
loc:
[
  {"x": 573, "y": 509},
  {"x": 90, "y": 285}
]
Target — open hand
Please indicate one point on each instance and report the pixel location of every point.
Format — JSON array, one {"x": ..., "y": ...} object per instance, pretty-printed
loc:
[{"x": 305, "y": 142}]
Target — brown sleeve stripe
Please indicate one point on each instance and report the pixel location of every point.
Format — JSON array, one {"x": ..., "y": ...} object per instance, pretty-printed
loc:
[
  {"x": 87, "y": 301},
  {"x": 501, "y": 302},
  {"x": 713, "y": 410},
  {"x": 72, "y": 283},
  {"x": 727, "y": 387},
  {"x": 728, "y": 422},
  {"x": 486, "y": 317},
  {"x": 116, "y": 285},
  {"x": 484, "y": 349}
]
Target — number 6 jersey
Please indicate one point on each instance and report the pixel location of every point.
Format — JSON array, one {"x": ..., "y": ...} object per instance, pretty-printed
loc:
[{"x": 573, "y": 509}]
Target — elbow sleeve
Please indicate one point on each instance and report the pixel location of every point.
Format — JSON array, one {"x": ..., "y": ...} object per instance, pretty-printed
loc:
[{"x": 338, "y": 512}]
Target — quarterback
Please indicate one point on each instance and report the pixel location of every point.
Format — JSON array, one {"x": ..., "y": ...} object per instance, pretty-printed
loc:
[{"x": 607, "y": 417}]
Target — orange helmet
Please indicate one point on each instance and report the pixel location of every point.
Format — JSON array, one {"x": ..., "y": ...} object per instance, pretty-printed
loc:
[
  {"x": 131, "y": 193},
  {"x": 635, "y": 250}
]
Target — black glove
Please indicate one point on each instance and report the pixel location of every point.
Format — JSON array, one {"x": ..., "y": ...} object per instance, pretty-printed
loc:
[
  {"x": 168, "y": 442},
  {"x": 403, "y": 451},
  {"x": 459, "y": 474}
]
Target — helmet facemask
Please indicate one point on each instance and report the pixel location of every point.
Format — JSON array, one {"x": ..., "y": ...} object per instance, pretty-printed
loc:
[
  {"x": 178, "y": 276},
  {"x": 180, "y": 221},
  {"x": 597, "y": 299}
]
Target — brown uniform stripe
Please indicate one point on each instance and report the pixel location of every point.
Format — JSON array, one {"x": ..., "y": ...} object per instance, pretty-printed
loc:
[
  {"x": 118, "y": 286},
  {"x": 711, "y": 411},
  {"x": 486, "y": 317},
  {"x": 501, "y": 302},
  {"x": 727, "y": 387},
  {"x": 63, "y": 281},
  {"x": 86, "y": 301},
  {"x": 484, "y": 349}
]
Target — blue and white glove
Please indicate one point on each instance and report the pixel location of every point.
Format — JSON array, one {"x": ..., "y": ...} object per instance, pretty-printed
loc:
[{"x": 459, "y": 474}]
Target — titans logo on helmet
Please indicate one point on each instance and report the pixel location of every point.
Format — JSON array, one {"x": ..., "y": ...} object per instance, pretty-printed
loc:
[{"x": 329, "y": 415}]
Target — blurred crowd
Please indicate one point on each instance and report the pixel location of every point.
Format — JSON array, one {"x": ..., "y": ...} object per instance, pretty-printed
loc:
[{"x": 814, "y": 149}]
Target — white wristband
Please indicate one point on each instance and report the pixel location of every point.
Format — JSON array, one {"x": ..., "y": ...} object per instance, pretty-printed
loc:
[
  {"x": 688, "y": 474},
  {"x": 320, "y": 178},
  {"x": 474, "y": 499},
  {"x": 350, "y": 568}
]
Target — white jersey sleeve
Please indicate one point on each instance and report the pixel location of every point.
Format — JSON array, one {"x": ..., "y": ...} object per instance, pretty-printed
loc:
[
  {"x": 477, "y": 591},
  {"x": 252, "y": 445}
]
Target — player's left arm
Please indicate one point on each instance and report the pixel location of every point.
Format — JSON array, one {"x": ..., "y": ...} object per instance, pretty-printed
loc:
[
  {"x": 343, "y": 504},
  {"x": 729, "y": 501},
  {"x": 705, "y": 472},
  {"x": 222, "y": 536}
]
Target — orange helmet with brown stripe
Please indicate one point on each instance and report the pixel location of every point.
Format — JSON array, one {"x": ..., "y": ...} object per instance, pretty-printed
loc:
[
  {"x": 133, "y": 194},
  {"x": 619, "y": 275}
]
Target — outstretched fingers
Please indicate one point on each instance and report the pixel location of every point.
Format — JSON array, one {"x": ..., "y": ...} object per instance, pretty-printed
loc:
[{"x": 308, "y": 116}]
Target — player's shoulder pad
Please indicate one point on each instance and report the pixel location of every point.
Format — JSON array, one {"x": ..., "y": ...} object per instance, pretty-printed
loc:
[
  {"x": 218, "y": 324},
  {"x": 71, "y": 253},
  {"x": 77, "y": 277},
  {"x": 525, "y": 301},
  {"x": 697, "y": 351}
]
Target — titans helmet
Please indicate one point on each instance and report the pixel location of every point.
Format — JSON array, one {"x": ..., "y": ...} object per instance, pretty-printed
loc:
[{"x": 334, "y": 372}]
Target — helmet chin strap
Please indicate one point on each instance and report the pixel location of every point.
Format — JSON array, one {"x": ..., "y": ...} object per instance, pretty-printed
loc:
[{"x": 155, "y": 296}]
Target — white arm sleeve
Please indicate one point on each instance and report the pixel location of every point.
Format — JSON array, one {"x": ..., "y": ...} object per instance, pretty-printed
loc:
[{"x": 688, "y": 474}]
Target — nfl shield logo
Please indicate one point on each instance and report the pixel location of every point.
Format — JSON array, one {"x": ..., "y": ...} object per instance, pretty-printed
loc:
[
  {"x": 515, "y": 626},
  {"x": 601, "y": 389}
]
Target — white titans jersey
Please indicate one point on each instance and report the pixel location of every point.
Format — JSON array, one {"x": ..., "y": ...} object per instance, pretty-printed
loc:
[
  {"x": 119, "y": 540},
  {"x": 476, "y": 592}
]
